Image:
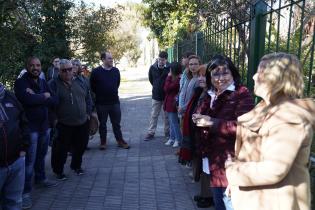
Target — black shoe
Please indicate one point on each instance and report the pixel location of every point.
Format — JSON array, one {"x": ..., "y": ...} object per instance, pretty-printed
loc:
[
  {"x": 148, "y": 137},
  {"x": 197, "y": 198},
  {"x": 61, "y": 177},
  {"x": 79, "y": 171},
  {"x": 205, "y": 202},
  {"x": 46, "y": 183}
]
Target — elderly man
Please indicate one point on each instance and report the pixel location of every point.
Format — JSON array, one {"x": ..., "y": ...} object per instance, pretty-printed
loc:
[
  {"x": 78, "y": 75},
  {"x": 35, "y": 96},
  {"x": 72, "y": 113}
]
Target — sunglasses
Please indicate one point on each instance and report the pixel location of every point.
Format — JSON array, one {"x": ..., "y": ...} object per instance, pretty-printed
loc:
[{"x": 66, "y": 70}]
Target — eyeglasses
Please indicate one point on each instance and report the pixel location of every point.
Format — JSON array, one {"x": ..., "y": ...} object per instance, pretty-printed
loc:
[
  {"x": 217, "y": 75},
  {"x": 66, "y": 70}
]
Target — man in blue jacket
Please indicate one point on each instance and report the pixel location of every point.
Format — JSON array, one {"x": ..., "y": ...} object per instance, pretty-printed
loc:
[
  {"x": 14, "y": 140},
  {"x": 35, "y": 96}
]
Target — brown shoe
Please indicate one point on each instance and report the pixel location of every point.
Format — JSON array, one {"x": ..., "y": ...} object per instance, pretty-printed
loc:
[
  {"x": 177, "y": 152},
  {"x": 103, "y": 144},
  {"x": 148, "y": 137},
  {"x": 122, "y": 144}
]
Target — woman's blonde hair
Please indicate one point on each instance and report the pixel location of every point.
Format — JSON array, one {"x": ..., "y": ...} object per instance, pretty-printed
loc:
[
  {"x": 202, "y": 69},
  {"x": 282, "y": 73}
]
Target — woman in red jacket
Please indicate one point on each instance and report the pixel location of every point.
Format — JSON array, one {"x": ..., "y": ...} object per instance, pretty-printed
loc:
[
  {"x": 216, "y": 117},
  {"x": 171, "y": 89}
]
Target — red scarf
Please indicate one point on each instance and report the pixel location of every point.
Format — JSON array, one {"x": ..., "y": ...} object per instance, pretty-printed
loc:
[{"x": 187, "y": 116}]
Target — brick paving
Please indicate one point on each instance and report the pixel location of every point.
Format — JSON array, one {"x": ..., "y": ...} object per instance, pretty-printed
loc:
[{"x": 145, "y": 177}]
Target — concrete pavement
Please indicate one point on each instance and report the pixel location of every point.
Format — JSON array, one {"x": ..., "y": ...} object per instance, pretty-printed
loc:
[{"x": 145, "y": 177}]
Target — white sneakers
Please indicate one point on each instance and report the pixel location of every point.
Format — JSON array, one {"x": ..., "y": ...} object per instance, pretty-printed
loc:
[
  {"x": 176, "y": 143},
  {"x": 170, "y": 142}
]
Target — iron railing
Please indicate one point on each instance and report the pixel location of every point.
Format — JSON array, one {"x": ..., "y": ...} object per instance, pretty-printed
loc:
[{"x": 270, "y": 26}]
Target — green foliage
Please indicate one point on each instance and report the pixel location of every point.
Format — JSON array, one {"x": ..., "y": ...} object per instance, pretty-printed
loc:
[
  {"x": 292, "y": 45},
  {"x": 98, "y": 29},
  {"x": 91, "y": 30},
  {"x": 170, "y": 19},
  {"x": 48, "y": 28},
  {"x": 31, "y": 27},
  {"x": 126, "y": 37},
  {"x": 16, "y": 39},
  {"x": 54, "y": 31}
]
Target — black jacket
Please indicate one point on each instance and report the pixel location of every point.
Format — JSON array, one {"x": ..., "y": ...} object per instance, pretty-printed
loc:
[
  {"x": 14, "y": 134},
  {"x": 35, "y": 105},
  {"x": 157, "y": 78}
]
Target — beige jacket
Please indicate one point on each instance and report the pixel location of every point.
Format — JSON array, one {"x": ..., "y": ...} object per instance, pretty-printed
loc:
[{"x": 272, "y": 152}]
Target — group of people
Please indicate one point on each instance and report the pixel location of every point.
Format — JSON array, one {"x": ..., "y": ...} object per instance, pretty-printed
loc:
[
  {"x": 64, "y": 102},
  {"x": 244, "y": 156}
]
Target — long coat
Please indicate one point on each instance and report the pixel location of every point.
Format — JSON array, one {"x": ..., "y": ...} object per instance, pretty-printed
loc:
[
  {"x": 272, "y": 152},
  {"x": 218, "y": 141},
  {"x": 171, "y": 89}
]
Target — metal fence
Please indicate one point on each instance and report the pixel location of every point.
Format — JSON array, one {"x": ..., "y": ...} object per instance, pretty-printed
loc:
[{"x": 269, "y": 26}]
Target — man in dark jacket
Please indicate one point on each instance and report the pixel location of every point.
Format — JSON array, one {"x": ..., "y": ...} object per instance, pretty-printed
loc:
[
  {"x": 157, "y": 75},
  {"x": 35, "y": 96},
  {"x": 14, "y": 140},
  {"x": 53, "y": 71},
  {"x": 105, "y": 81},
  {"x": 73, "y": 111}
]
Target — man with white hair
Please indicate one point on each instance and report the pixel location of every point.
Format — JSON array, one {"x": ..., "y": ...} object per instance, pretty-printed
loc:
[{"x": 73, "y": 112}]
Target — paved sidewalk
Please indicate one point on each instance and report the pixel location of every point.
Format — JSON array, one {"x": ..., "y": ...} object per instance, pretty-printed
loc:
[{"x": 145, "y": 177}]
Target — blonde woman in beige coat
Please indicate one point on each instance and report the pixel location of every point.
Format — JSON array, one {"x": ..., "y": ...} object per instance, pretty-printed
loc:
[{"x": 273, "y": 141}]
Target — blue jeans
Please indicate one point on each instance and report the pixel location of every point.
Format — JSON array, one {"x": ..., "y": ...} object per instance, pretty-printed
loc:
[
  {"x": 221, "y": 201},
  {"x": 175, "y": 132},
  {"x": 35, "y": 158},
  {"x": 11, "y": 185}
]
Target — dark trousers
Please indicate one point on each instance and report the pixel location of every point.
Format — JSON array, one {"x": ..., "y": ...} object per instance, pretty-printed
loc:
[
  {"x": 69, "y": 137},
  {"x": 114, "y": 113}
]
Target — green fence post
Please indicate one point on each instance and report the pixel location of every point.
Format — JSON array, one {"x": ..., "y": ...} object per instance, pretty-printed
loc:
[
  {"x": 170, "y": 54},
  {"x": 177, "y": 52},
  {"x": 257, "y": 38},
  {"x": 199, "y": 44}
]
